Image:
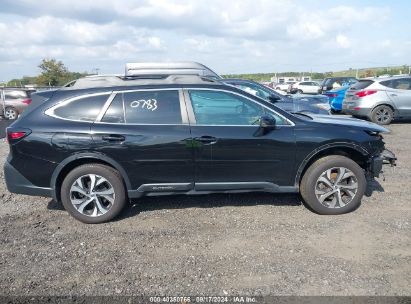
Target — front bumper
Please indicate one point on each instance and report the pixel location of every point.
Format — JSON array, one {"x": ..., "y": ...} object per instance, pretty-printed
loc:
[{"x": 385, "y": 158}]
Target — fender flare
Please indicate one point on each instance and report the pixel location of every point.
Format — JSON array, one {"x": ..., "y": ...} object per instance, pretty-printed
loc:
[
  {"x": 90, "y": 155},
  {"x": 317, "y": 150}
]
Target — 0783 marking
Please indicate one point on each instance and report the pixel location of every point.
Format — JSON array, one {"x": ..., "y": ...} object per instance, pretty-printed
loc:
[{"x": 149, "y": 104}]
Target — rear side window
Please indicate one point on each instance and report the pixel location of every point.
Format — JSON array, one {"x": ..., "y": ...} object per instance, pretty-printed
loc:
[
  {"x": 399, "y": 84},
  {"x": 152, "y": 107},
  {"x": 15, "y": 94},
  {"x": 362, "y": 84},
  {"x": 84, "y": 109}
]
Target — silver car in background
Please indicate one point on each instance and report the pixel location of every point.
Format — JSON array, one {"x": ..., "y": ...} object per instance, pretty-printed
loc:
[
  {"x": 13, "y": 101},
  {"x": 379, "y": 100}
]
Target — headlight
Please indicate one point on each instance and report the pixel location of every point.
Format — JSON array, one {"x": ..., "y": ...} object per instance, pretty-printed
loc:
[{"x": 324, "y": 106}]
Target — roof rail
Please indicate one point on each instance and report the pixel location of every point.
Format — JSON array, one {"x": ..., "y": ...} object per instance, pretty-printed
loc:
[{"x": 111, "y": 81}]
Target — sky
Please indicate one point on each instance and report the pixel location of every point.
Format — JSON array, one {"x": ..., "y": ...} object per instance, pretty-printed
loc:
[{"x": 229, "y": 36}]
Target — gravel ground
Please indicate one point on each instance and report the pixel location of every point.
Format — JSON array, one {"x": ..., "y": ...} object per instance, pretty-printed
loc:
[{"x": 248, "y": 244}]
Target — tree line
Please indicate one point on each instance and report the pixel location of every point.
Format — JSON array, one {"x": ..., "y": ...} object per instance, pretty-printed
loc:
[{"x": 52, "y": 73}]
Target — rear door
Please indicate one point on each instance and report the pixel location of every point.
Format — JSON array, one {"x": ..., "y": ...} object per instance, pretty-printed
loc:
[
  {"x": 229, "y": 151},
  {"x": 147, "y": 133}
]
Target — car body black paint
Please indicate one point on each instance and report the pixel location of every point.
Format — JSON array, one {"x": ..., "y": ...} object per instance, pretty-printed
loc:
[{"x": 182, "y": 157}]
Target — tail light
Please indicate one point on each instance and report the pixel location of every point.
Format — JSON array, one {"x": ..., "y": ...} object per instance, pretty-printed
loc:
[
  {"x": 26, "y": 101},
  {"x": 365, "y": 93},
  {"x": 332, "y": 95},
  {"x": 14, "y": 135},
  {"x": 17, "y": 135}
]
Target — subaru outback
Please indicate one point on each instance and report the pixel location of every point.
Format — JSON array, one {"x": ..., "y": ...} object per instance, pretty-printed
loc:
[{"x": 94, "y": 149}]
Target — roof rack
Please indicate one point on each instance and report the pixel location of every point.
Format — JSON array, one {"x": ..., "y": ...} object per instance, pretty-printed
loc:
[
  {"x": 150, "y": 73},
  {"x": 170, "y": 68}
]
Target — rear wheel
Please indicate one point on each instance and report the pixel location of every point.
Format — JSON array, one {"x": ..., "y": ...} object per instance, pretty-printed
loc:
[
  {"x": 11, "y": 113},
  {"x": 300, "y": 91},
  {"x": 382, "y": 115},
  {"x": 333, "y": 185},
  {"x": 93, "y": 193}
]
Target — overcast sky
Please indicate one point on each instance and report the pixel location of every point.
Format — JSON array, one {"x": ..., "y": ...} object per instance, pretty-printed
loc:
[{"x": 230, "y": 36}]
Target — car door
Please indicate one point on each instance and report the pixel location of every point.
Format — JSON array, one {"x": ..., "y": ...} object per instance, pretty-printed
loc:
[
  {"x": 229, "y": 151},
  {"x": 400, "y": 94},
  {"x": 147, "y": 133}
]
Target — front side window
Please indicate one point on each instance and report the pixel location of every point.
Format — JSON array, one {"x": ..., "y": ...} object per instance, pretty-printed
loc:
[
  {"x": 152, "y": 107},
  {"x": 224, "y": 108},
  {"x": 84, "y": 109}
]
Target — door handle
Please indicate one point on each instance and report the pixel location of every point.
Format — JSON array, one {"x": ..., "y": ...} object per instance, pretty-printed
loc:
[
  {"x": 113, "y": 138},
  {"x": 393, "y": 94},
  {"x": 206, "y": 139}
]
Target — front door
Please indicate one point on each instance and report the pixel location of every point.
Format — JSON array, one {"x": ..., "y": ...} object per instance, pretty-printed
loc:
[{"x": 229, "y": 147}]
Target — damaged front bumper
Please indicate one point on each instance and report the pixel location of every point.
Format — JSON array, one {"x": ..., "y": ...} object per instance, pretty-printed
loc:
[{"x": 384, "y": 158}]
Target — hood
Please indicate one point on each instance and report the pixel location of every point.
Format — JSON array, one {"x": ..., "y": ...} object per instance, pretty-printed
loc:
[{"x": 349, "y": 122}]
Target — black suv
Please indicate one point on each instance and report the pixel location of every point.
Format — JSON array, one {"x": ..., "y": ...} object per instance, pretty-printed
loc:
[
  {"x": 328, "y": 83},
  {"x": 94, "y": 149}
]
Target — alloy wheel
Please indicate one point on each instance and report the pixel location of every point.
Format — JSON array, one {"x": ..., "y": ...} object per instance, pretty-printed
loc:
[
  {"x": 382, "y": 115},
  {"x": 336, "y": 187},
  {"x": 92, "y": 195},
  {"x": 10, "y": 114}
]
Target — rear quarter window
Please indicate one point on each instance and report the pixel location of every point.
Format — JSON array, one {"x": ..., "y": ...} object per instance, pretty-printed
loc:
[{"x": 83, "y": 109}]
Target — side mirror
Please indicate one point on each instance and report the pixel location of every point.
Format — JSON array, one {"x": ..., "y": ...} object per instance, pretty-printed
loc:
[
  {"x": 267, "y": 122},
  {"x": 274, "y": 98}
]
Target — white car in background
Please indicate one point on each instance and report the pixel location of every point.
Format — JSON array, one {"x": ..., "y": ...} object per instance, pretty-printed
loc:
[
  {"x": 285, "y": 86},
  {"x": 305, "y": 87}
]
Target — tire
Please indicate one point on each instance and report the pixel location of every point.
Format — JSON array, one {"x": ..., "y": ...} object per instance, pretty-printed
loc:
[
  {"x": 277, "y": 88},
  {"x": 382, "y": 115},
  {"x": 347, "y": 199},
  {"x": 102, "y": 208},
  {"x": 300, "y": 92},
  {"x": 11, "y": 113}
]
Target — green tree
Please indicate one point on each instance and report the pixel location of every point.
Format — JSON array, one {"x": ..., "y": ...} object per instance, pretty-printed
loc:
[{"x": 53, "y": 73}]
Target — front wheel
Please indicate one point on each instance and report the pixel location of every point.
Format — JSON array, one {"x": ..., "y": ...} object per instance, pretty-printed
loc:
[
  {"x": 333, "y": 185},
  {"x": 93, "y": 193}
]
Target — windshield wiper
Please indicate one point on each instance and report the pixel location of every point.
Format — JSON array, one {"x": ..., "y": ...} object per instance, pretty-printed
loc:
[{"x": 302, "y": 114}]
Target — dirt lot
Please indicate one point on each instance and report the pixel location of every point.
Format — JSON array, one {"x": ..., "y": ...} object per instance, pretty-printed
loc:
[{"x": 255, "y": 244}]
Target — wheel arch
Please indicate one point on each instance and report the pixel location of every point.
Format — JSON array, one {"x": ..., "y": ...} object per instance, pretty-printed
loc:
[
  {"x": 388, "y": 104},
  {"x": 80, "y": 159},
  {"x": 350, "y": 150}
]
